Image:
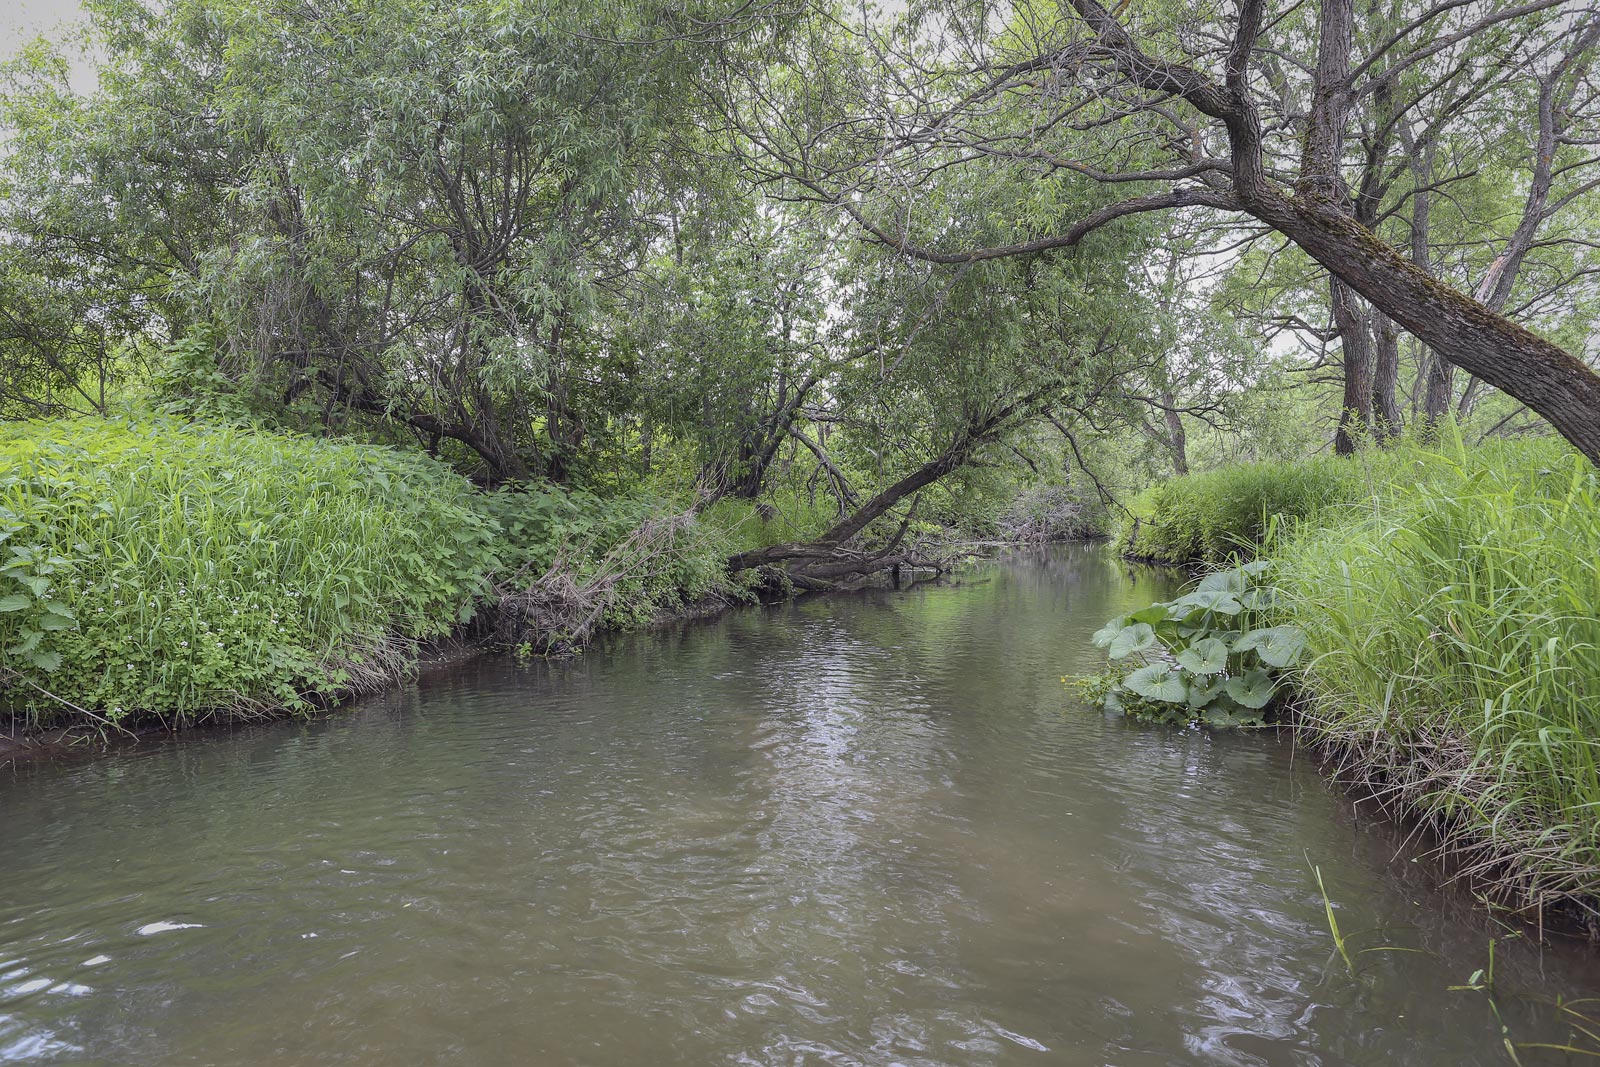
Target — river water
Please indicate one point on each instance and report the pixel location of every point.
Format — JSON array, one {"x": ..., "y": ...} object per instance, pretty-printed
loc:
[{"x": 865, "y": 829}]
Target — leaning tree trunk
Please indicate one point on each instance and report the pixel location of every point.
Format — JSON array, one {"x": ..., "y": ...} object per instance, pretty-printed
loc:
[{"x": 1551, "y": 381}]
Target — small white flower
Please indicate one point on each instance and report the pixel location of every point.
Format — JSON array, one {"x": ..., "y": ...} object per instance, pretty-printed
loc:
[{"x": 183, "y": 644}]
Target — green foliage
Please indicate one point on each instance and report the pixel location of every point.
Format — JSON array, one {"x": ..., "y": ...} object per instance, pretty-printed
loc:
[
  {"x": 1207, "y": 518},
  {"x": 1231, "y": 511},
  {"x": 1199, "y": 659},
  {"x": 786, "y": 514},
  {"x": 178, "y": 569},
  {"x": 577, "y": 532},
  {"x": 1457, "y": 654}
]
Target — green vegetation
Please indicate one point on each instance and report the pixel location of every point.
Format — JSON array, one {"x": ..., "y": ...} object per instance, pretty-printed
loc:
[
  {"x": 1199, "y": 659},
  {"x": 177, "y": 571},
  {"x": 1456, "y": 667},
  {"x": 1447, "y": 598},
  {"x": 1210, "y": 517}
]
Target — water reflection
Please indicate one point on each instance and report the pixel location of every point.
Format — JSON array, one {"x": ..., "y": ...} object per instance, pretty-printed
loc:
[{"x": 862, "y": 830}]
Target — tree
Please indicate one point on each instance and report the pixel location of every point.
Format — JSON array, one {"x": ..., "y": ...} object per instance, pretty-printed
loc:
[{"x": 1086, "y": 93}]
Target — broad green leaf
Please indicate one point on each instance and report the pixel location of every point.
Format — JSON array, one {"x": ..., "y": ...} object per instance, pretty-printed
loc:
[
  {"x": 1104, "y": 635},
  {"x": 1253, "y": 690},
  {"x": 1136, "y": 638},
  {"x": 1217, "y": 600},
  {"x": 16, "y": 602},
  {"x": 46, "y": 661},
  {"x": 1206, "y": 656},
  {"x": 1158, "y": 682},
  {"x": 1206, "y": 689},
  {"x": 1258, "y": 599},
  {"x": 1278, "y": 646},
  {"x": 1229, "y": 717},
  {"x": 1228, "y": 581},
  {"x": 1153, "y": 614}
]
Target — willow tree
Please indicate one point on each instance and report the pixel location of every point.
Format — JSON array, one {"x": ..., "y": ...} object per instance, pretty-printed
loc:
[
  {"x": 1169, "y": 109},
  {"x": 414, "y": 219}
]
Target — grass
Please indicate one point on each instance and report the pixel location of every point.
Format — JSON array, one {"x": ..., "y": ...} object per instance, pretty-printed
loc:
[
  {"x": 1455, "y": 623},
  {"x": 1210, "y": 517},
  {"x": 1450, "y": 598},
  {"x": 178, "y": 570}
]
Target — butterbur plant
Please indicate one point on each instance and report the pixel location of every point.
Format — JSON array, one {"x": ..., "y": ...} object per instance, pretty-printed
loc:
[{"x": 1200, "y": 659}]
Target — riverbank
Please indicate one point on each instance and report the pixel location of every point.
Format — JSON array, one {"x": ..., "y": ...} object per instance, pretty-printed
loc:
[
  {"x": 165, "y": 573},
  {"x": 161, "y": 573},
  {"x": 1449, "y": 601}
]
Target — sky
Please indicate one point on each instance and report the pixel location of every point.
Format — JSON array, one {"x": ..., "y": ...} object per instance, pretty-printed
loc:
[{"x": 23, "y": 20}]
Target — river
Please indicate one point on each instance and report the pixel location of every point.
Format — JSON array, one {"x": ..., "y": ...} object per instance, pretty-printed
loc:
[{"x": 863, "y": 829}]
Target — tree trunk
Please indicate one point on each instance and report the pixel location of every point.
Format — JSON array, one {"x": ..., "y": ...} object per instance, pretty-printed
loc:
[
  {"x": 1549, "y": 380},
  {"x": 1386, "y": 418},
  {"x": 1177, "y": 438},
  {"x": 1355, "y": 341}
]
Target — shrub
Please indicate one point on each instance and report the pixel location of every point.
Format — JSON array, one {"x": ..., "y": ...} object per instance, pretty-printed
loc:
[
  {"x": 1229, "y": 512},
  {"x": 182, "y": 569},
  {"x": 591, "y": 542},
  {"x": 1210, "y": 517},
  {"x": 1047, "y": 513}
]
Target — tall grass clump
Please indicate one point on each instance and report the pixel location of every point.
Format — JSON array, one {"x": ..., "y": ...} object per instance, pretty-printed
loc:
[
  {"x": 1454, "y": 621},
  {"x": 1210, "y": 517},
  {"x": 183, "y": 570}
]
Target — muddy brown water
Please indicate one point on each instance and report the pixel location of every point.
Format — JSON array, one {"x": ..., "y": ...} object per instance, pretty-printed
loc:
[{"x": 870, "y": 829}]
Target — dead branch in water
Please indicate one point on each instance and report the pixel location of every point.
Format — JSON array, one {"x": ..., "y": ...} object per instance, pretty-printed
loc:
[{"x": 559, "y": 610}]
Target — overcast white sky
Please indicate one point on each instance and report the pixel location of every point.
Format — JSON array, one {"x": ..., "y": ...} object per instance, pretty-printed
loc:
[{"x": 23, "y": 20}]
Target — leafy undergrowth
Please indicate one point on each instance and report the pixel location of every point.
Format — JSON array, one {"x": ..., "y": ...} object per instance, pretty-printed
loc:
[
  {"x": 177, "y": 569},
  {"x": 589, "y": 562},
  {"x": 1206, "y": 658},
  {"x": 1218, "y": 515}
]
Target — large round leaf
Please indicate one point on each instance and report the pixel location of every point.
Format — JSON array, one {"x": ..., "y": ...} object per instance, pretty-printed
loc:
[
  {"x": 1278, "y": 646},
  {"x": 1158, "y": 682},
  {"x": 1205, "y": 689},
  {"x": 1130, "y": 639},
  {"x": 1228, "y": 581},
  {"x": 1104, "y": 635},
  {"x": 1252, "y": 690},
  {"x": 1153, "y": 614},
  {"x": 1206, "y": 656},
  {"x": 1259, "y": 599},
  {"x": 1217, "y": 600}
]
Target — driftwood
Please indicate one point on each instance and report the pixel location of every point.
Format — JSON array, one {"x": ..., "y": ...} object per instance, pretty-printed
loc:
[{"x": 559, "y": 610}]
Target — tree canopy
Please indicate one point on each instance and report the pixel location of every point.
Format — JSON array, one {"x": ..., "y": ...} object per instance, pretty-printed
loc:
[{"x": 870, "y": 251}]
